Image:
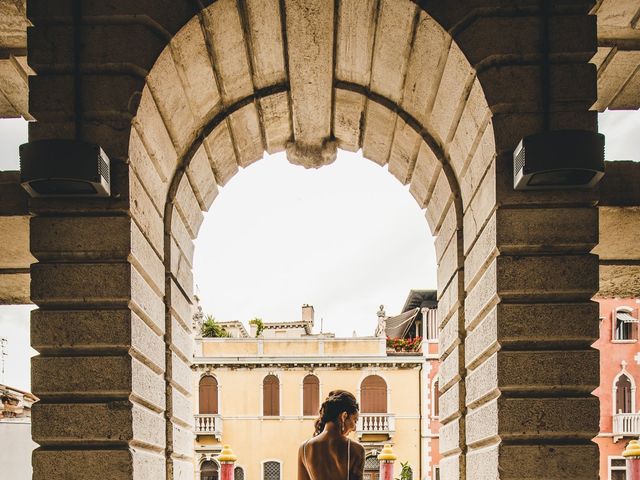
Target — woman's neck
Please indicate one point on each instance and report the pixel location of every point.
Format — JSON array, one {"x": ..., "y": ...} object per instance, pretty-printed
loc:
[{"x": 332, "y": 430}]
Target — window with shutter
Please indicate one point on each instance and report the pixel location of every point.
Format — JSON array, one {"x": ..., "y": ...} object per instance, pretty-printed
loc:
[
  {"x": 436, "y": 399},
  {"x": 208, "y": 394},
  {"x": 209, "y": 471},
  {"x": 625, "y": 324},
  {"x": 623, "y": 395},
  {"x": 271, "y": 471},
  {"x": 371, "y": 468},
  {"x": 238, "y": 473},
  {"x": 271, "y": 396},
  {"x": 374, "y": 395},
  {"x": 310, "y": 395}
]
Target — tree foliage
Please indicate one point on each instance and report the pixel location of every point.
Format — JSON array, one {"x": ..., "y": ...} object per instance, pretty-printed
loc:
[{"x": 211, "y": 329}]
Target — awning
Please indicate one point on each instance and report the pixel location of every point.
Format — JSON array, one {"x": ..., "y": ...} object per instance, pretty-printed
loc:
[
  {"x": 626, "y": 318},
  {"x": 398, "y": 326}
]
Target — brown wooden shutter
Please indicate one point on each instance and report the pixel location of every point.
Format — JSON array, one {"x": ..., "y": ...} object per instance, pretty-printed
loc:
[
  {"x": 623, "y": 395},
  {"x": 374, "y": 395},
  {"x": 208, "y": 393},
  {"x": 436, "y": 399},
  {"x": 271, "y": 396},
  {"x": 310, "y": 395}
]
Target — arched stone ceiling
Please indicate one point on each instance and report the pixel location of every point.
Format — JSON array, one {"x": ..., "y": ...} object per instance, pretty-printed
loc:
[
  {"x": 618, "y": 57},
  {"x": 246, "y": 77}
]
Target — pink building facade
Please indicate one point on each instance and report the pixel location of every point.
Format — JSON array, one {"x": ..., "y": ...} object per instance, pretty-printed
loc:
[{"x": 619, "y": 375}]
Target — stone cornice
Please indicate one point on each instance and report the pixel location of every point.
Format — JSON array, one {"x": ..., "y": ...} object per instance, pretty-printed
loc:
[{"x": 289, "y": 362}]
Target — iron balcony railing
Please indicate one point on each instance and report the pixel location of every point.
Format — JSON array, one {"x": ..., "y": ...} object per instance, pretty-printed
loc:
[
  {"x": 376, "y": 423},
  {"x": 626, "y": 425},
  {"x": 208, "y": 424}
]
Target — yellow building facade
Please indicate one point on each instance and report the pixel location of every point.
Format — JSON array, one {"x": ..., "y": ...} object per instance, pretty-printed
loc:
[{"x": 255, "y": 391}]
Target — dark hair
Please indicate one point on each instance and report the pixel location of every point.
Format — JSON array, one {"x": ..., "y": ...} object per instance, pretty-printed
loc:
[{"x": 337, "y": 402}]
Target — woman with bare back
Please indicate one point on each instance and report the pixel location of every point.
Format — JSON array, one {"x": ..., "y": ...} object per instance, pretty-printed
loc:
[{"x": 330, "y": 454}]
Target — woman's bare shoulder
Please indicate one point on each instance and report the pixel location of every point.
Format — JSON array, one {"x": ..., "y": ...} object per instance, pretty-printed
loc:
[{"x": 357, "y": 449}]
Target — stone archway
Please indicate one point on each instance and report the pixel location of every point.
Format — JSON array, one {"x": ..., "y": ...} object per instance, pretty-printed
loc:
[{"x": 441, "y": 94}]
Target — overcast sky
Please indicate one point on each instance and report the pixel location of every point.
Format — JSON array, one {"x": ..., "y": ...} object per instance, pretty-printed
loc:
[{"x": 345, "y": 238}]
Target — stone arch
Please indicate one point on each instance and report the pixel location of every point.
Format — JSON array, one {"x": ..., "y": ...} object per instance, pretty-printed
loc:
[
  {"x": 187, "y": 140},
  {"x": 489, "y": 90}
]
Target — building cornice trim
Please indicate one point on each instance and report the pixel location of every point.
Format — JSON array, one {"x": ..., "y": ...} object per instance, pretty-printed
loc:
[{"x": 363, "y": 361}]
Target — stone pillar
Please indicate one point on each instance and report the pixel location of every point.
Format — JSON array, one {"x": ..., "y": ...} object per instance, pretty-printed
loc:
[
  {"x": 227, "y": 462},
  {"x": 529, "y": 318},
  {"x": 106, "y": 409},
  {"x": 518, "y": 357},
  {"x": 99, "y": 332},
  {"x": 632, "y": 454},
  {"x": 387, "y": 461}
]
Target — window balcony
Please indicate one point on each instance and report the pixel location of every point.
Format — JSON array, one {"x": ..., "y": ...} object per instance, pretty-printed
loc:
[
  {"x": 209, "y": 424},
  {"x": 626, "y": 425},
  {"x": 376, "y": 424}
]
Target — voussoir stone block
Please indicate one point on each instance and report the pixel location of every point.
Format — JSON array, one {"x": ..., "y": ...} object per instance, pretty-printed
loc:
[
  {"x": 451, "y": 403},
  {"x": 84, "y": 330},
  {"x": 105, "y": 423},
  {"x": 558, "y": 462},
  {"x": 450, "y": 333},
  {"x": 80, "y": 283},
  {"x": 452, "y": 467},
  {"x": 85, "y": 465},
  {"x": 92, "y": 238},
  {"x": 532, "y": 326},
  {"x": 544, "y": 372},
  {"x": 548, "y": 461},
  {"x": 181, "y": 408},
  {"x": 450, "y": 436},
  {"x": 534, "y": 420}
]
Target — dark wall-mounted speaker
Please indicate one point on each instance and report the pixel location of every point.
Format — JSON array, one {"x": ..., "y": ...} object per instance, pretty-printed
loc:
[
  {"x": 562, "y": 159},
  {"x": 64, "y": 168}
]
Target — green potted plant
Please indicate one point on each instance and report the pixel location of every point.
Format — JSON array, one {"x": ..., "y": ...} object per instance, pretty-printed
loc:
[{"x": 406, "y": 473}]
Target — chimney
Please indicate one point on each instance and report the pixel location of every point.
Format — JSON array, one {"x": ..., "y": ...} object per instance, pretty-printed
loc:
[{"x": 307, "y": 314}]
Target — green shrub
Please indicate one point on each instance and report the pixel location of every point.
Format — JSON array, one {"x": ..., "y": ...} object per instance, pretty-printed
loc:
[
  {"x": 210, "y": 329},
  {"x": 259, "y": 325}
]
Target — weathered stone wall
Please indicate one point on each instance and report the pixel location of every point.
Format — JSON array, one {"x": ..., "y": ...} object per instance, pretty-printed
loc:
[{"x": 181, "y": 97}]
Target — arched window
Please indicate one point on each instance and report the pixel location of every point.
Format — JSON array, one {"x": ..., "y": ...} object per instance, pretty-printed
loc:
[
  {"x": 209, "y": 471},
  {"x": 271, "y": 396},
  {"x": 371, "y": 468},
  {"x": 374, "y": 395},
  {"x": 208, "y": 394},
  {"x": 238, "y": 473},
  {"x": 310, "y": 395},
  {"x": 271, "y": 470},
  {"x": 623, "y": 395},
  {"x": 436, "y": 399}
]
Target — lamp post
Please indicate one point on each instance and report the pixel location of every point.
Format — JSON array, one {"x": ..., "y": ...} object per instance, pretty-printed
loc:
[
  {"x": 387, "y": 460},
  {"x": 632, "y": 454},
  {"x": 227, "y": 461}
]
